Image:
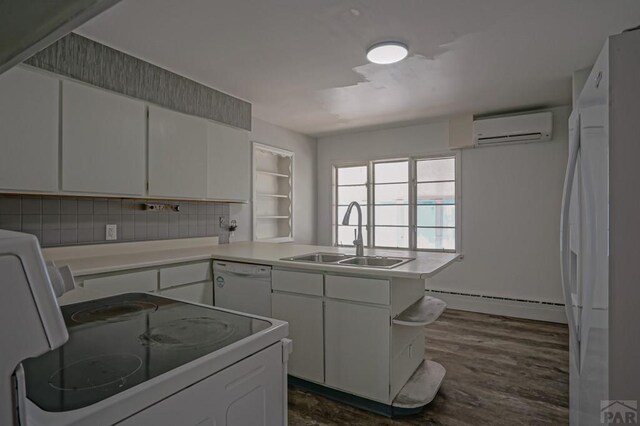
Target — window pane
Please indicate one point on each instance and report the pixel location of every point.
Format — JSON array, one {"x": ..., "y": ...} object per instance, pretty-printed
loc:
[
  {"x": 436, "y": 238},
  {"x": 392, "y": 237},
  {"x": 392, "y": 194},
  {"x": 352, "y": 175},
  {"x": 444, "y": 193},
  {"x": 392, "y": 215},
  {"x": 346, "y": 236},
  {"x": 347, "y": 194},
  {"x": 436, "y": 215},
  {"x": 353, "y": 219},
  {"x": 391, "y": 172},
  {"x": 439, "y": 169}
]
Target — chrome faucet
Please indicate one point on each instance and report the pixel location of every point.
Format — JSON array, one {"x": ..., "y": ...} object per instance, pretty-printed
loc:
[{"x": 357, "y": 234}]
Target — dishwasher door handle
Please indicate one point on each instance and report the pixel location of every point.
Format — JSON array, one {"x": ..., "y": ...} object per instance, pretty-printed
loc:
[{"x": 245, "y": 275}]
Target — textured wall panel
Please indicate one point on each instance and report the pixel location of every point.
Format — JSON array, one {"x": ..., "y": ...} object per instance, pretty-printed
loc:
[{"x": 94, "y": 63}]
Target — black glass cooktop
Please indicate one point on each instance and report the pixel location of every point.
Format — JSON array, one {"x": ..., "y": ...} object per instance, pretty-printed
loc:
[{"x": 121, "y": 341}]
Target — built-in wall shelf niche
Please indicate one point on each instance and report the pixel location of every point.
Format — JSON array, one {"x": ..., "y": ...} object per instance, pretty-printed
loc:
[{"x": 272, "y": 194}]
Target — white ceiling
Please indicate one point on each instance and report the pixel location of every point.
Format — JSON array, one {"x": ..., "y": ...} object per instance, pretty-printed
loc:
[{"x": 301, "y": 63}]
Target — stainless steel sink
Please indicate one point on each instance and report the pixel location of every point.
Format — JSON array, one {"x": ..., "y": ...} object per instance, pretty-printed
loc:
[
  {"x": 350, "y": 260},
  {"x": 374, "y": 262},
  {"x": 319, "y": 257}
]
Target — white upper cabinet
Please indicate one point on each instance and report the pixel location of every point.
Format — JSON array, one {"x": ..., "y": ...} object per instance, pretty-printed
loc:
[
  {"x": 177, "y": 154},
  {"x": 103, "y": 141},
  {"x": 29, "y": 123},
  {"x": 66, "y": 137},
  {"x": 229, "y": 163}
]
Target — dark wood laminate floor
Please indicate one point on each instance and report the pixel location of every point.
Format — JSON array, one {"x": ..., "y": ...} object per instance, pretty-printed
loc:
[{"x": 500, "y": 371}]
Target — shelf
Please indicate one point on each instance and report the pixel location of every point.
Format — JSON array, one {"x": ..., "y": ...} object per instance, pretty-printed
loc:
[
  {"x": 273, "y": 195},
  {"x": 421, "y": 387},
  {"x": 264, "y": 172},
  {"x": 423, "y": 312}
]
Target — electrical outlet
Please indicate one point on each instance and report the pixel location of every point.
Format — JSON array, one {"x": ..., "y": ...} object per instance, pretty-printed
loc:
[{"x": 112, "y": 232}]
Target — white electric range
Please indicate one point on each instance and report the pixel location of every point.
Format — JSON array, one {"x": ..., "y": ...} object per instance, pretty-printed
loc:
[{"x": 135, "y": 358}]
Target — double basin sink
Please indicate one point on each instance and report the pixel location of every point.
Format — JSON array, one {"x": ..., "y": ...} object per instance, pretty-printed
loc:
[{"x": 351, "y": 260}]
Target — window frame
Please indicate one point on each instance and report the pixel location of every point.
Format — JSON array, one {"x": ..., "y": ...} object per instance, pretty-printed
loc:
[
  {"x": 334, "y": 202},
  {"x": 372, "y": 202},
  {"x": 413, "y": 204}
]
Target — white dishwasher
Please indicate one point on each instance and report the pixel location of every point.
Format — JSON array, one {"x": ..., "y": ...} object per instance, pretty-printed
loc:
[{"x": 242, "y": 287}]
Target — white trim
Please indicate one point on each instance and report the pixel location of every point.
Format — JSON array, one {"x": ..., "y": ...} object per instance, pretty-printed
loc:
[
  {"x": 505, "y": 307},
  {"x": 412, "y": 161}
]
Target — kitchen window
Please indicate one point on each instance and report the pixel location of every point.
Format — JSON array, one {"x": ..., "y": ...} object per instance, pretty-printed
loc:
[{"x": 406, "y": 203}]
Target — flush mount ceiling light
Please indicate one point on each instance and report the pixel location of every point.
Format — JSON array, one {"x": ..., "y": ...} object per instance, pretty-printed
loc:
[{"x": 387, "y": 52}]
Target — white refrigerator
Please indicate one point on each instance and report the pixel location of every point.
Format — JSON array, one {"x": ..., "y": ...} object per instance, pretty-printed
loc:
[{"x": 600, "y": 239}]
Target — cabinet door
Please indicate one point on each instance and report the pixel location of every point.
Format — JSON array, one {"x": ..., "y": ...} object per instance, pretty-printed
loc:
[
  {"x": 357, "y": 349},
  {"x": 29, "y": 123},
  {"x": 177, "y": 154},
  {"x": 228, "y": 163},
  {"x": 103, "y": 141},
  {"x": 304, "y": 315}
]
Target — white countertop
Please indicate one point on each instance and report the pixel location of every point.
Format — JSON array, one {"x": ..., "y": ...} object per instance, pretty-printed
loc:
[{"x": 89, "y": 260}]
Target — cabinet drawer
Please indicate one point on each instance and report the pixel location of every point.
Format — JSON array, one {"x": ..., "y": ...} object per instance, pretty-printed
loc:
[
  {"x": 297, "y": 282},
  {"x": 185, "y": 274},
  {"x": 369, "y": 290},
  {"x": 199, "y": 293},
  {"x": 123, "y": 283}
]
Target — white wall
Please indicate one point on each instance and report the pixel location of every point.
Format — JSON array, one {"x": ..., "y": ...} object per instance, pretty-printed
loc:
[
  {"x": 304, "y": 195},
  {"x": 510, "y": 206}
]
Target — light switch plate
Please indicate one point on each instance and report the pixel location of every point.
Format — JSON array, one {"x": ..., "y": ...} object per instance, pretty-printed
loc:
[{"x": 112, "y": 232}]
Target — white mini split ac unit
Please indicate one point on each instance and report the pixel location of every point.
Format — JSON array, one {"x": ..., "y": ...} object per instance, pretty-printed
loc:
[{"x": 516, "y": 128}]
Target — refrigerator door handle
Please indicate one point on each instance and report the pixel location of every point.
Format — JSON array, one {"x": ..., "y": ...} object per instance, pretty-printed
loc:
[{"x": 574, "y": 147}]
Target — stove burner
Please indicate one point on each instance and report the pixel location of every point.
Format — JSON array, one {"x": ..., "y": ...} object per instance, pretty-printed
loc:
[
  {"x": 116, "y": 312},
  {"x": 95, "y": 372},
  {"x": 188, "y": 333}
]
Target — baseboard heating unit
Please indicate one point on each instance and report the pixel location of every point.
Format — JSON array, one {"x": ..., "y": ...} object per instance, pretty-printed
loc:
[{"x": 511, "y": 307}]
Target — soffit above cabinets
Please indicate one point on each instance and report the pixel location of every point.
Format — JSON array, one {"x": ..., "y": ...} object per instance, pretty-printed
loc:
[{"x": 84, "y": 60}]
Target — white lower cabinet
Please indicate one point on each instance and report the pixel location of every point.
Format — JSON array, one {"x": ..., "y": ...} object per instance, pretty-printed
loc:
[
  {"x": 304, "y": 315},
  {"x": 342, "y": 331},
  {"x": 191, "y": 282},
  {"x": 297, "y": 299},
  {"x": 357, "y": 349}
]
